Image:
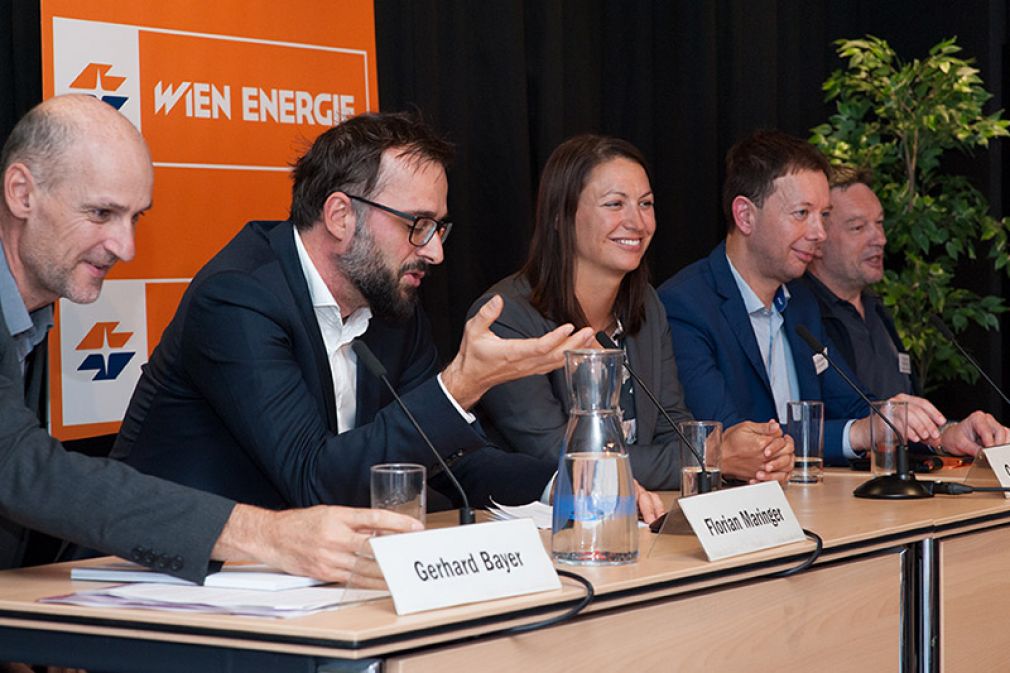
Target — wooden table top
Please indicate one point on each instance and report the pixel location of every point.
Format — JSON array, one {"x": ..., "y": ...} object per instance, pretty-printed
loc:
[{"x": 669, "y": 565}]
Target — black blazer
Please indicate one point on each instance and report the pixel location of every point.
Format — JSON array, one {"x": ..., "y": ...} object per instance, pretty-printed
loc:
[{"x": 238, "y": 398}]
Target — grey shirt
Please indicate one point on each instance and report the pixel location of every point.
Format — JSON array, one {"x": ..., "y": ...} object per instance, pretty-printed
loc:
[
  {"x": 871, "y": 350},
  {"x": 27, "y": 329}
]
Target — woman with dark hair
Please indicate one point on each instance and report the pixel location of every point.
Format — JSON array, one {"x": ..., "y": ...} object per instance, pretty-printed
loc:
[{"x": 594, "y": 222}]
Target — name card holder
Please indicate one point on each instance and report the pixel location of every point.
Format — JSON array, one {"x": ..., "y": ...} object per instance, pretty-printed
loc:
[
  {"x": 741, "y": 520},
  {"x": 999, "y": 460},
  {"x": 452, "y": 566}
]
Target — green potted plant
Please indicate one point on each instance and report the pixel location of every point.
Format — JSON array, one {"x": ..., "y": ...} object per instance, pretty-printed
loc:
[{"x": 900, "y": 119}]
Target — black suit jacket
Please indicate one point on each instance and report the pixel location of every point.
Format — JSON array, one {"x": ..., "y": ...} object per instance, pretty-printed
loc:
[{"x": 238, "y": 399}]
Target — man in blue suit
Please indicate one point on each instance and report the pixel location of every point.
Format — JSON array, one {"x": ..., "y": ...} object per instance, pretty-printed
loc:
[
  {"x": 734, "y": 314},
  {"x": 254, "y": 390}
]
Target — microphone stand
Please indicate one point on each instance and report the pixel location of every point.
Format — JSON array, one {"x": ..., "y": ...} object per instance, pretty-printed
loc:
[
  {"x": 361, "y": 349},
  {"x": 942, "y": 328},
  {"x": 902, "y": 484},
  {"x": 704, "y": 477}
]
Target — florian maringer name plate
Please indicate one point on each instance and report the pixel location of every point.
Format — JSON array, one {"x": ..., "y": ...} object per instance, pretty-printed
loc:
[
  {"x": 451, "y": 566},
  {"x": 741, "y": 520}
]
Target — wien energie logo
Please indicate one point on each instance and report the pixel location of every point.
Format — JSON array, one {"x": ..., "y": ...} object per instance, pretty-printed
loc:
[
  {"x": 96, "y": 80},
  {"x": 279, "y": 106},
  {"x": 107, "y": 366}
]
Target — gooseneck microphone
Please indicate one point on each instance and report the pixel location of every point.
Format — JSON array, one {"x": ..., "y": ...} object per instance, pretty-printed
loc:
[
  {"x": 361, "y": 349},
  {"x": 901, "y": 485},
  {"x": 704, "y": 477},
  {"x": 942, "y": 328}
]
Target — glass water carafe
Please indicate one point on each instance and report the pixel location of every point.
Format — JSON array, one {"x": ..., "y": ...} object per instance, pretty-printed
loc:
[{"x": 595, "y": 513}]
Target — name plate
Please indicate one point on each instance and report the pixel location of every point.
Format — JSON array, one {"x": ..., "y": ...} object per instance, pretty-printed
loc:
[
  {"x": 820, "y": 363},
  {"x": 741, "y": 520},
  {"x": 999, "y": 461},
  {"x": 451, "y": 566}
]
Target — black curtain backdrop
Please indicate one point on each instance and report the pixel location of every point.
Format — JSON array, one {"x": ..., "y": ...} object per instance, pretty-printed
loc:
[
  {"x": 508, "y": 80},
  {"x": 20, "y": 61}
]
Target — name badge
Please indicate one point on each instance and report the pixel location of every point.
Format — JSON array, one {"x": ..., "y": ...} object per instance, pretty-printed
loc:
[
  {"x": 999, "y": 461},
  {"x": 741, "y": 520},
  {"x": 451, "y": 566},
  {"x": 904, "y": 363},
  {"x": 820, "y": 363}
]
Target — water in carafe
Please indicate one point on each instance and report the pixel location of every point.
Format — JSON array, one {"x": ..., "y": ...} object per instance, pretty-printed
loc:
[{"x": 595, "y": 514}]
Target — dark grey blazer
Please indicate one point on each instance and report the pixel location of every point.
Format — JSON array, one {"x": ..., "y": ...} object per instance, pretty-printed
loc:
[
  {"x": 96, "y": 502},
  {"x": 530, "y": 415}
]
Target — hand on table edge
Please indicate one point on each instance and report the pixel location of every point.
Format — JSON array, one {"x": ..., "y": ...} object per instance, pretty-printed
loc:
[{"x": 323, "y": 542}]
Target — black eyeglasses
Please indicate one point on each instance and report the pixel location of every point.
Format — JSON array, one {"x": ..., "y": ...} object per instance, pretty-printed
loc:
[{"x": 422, "y": 227}]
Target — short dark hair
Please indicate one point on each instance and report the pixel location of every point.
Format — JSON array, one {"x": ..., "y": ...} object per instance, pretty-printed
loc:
[
  {"x": 550, "y": 267},
  {"x": 844, "y": 176},
  {"x": 346, "y": 158},
  {"x": 754, "y": 163},
  {"x": 38, "y": 140}
]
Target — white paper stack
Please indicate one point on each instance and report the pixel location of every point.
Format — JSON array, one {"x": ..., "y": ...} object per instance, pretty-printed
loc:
[
  {"x": 178, "y": 598},
  {"x": 238, "y": 589},
  {"x": 540, "y": 513},
  {"x": 231, "y": 576}
]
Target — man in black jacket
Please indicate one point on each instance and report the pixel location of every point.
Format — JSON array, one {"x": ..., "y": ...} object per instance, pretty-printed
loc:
[
  {"x": 255, "y": 392},
  {"x": 855, "y": 319}
]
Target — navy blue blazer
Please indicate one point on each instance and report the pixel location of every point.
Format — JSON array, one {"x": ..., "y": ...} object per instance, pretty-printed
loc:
[
  {"x": 719, "y": 361},
  {"x": 238, "y": 398}
]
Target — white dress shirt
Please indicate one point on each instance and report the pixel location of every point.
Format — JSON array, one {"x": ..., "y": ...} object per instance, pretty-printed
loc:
[{"x": 337, "y": 337}]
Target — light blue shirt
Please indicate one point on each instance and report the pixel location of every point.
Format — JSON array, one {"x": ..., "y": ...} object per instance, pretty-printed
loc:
[
  {"x": 776, "y": 354},
  {"x": 775, "y": 350},
  {"x": 27, "y": 329}
]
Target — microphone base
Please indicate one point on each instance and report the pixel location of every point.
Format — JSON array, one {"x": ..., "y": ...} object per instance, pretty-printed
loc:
[
  {"x": 704, "y": 482},
  {"x": 893, "y": 487},
  {"x": 467, "y": 516}
]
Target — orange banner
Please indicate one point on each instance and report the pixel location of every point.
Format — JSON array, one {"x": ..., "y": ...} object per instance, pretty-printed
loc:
[{"x": 228, "y": 95}]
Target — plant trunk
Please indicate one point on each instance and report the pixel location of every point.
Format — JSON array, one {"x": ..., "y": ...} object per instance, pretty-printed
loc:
[{"x": 911, "y": 150}]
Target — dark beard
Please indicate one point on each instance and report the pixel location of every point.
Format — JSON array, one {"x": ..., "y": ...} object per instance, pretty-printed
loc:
[{"x": 363, "y": 265}]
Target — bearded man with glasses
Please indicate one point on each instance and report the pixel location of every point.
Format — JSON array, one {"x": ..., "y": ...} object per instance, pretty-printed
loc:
[{"x": 254, "y": 391}]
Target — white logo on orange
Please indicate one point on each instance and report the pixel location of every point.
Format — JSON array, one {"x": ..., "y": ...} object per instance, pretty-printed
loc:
[{"x": 205, "y": 100}]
